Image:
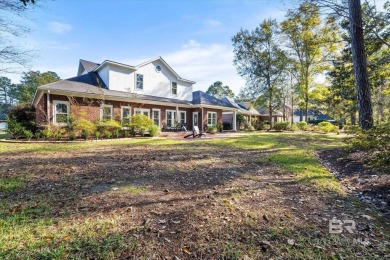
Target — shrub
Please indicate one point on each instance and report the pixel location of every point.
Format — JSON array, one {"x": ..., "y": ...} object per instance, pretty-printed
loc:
[
  {"x": 37, "y": 135},
  {"x": 58, "y": 136},
  {"x": 220, "y": 127},
  {"x": 212, "y": 129},
  {"x": 267, "y": 127},
  {"x": 116, "y": 133},
  {"x": 251, "y": 128},
  {"x": 351, "y": 129},
  {"x": 328, "y": 127},
  {"x": 97, "y": 135},
  {"x": 28, "y": 134},
  {"x": 142, "y": 131},
  {"x": 301, "y": 125},
  {"x": 141, "y": 123},
  {"x": 154, "y": 130},
  {"x": 376, "y": 142},
  {"x": 132, "y": 131},
  {"x": 240, "y": 119},
  {"x": 85, "y": 134},
  {"x": 259, "y": 125},
  {"x": 280, "y": 126},
  {"x": 110, "y": 125},
  {"x": 107, "y": 134},
  {"x": 125, "y": 133},
  {"x": 84, "y": 125},
  {"x": 15, "y": 128},
  {"x": 47, "y": 133},
  {"x": 294, "y": 127},
  {"x": 24, "y": 114},
  {"x": 72, "y": 135}
]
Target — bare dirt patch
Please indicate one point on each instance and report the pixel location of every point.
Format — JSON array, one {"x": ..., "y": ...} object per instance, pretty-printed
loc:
[
  {"x": 191, "y": 201},
  {"x": 365, "y": 182}
]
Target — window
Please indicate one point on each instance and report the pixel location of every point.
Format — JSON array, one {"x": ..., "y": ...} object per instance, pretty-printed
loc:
[
  {"x": 142, "y": 111},
  {"x": 171, "y": 118},
  {"x": 61, "y": 112},
  {"x": 157, "y": 117},
  {"x": 182, "y": 118},
  {"x": 174, "y": 88},
  {"x": 211, "y": 118},
  {"x": 158, "y": 68},
  {"x": 125, "y": 115},
  {"x": 106, "y": 112},
  {"x": 140, "y": 81}
]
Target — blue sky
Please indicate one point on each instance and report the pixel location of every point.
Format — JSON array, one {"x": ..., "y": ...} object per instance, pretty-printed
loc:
[{"x": 194, "y": 37}]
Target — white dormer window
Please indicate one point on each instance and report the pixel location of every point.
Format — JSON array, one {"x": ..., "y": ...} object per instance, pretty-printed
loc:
[
  {"x": 174, "y": 88},
  {"x": 140, "y": 81}
]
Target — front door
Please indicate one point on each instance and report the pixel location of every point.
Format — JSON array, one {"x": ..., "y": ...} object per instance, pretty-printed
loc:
[{"x": 195, "y": 119}]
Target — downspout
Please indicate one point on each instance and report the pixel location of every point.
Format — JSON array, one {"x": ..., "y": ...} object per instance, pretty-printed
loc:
[
  {"x": 48, "y": 108},
  {"x": 202, "y": 120}
]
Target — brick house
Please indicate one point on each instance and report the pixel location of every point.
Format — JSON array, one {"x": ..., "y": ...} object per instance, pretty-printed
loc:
[{"x": 115, "y": 91}]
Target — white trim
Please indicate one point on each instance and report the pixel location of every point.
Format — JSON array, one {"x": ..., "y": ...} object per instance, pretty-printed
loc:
[
  {"x": 216, "y": 118},
  {"x": 185, "y": 116},
  {"x": 136, "y": 81},
  {"x": 101, "y": 111},
  {"x": 175, "y": 95},
  {"x": 173, "y": 118},
  {"x": 193, "y": 114},
  {"x": 141, "y": 110},
  {"x": 159, "y": 115},
  {"x": 122, "y": 107},
  {"x": 55, "y": 102}
]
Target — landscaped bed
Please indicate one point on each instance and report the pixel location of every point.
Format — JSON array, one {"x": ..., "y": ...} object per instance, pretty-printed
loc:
[{"x": 258, "y": 195}]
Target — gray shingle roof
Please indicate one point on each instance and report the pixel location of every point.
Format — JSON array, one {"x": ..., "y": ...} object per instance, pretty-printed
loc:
[
  {"x": 89, "y": 65},
  {"x": 324, "y": 117},
  {"x": 201, "y": 98},
  {"x": 91, "y": 83},
  {"x": 3, "y": 117},
  {"x": 242, "y": 108}
]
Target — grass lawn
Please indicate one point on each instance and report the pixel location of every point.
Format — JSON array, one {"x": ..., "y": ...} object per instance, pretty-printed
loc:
[
  {"x": 259, "y": 196},
  {"x": 4, "y": 135}
]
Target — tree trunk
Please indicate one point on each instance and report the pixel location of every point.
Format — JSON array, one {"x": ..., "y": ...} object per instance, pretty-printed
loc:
[
  {"x": 353, "y": 117},
  {"x": 292, "y": 109},
  {"x": 360, "y": 64},
  {"x": 300, "y": 115},
  {"x": 307, "y": 108},
  {"x": 270, "y": 110},
  {"x": 284, "y": 108}
]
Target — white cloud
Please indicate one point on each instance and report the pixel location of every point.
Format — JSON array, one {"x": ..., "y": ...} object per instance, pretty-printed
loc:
[
  {"x": 59, "y": 28},
  {"x": 205, "y": 64},
  {"x": 212, "y": 23}
]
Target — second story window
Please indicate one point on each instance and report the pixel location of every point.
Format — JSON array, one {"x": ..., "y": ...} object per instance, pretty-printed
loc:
[
  {"x": 140, "y": 82},
  {"x": 174, "y": 88}
]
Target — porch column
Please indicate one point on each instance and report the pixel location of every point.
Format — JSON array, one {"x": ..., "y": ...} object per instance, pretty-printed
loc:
[
  {"x": 48, "y": 108},
  {"x": 234, "y": 120}
]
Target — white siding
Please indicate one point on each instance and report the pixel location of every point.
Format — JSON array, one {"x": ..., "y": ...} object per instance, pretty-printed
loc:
[
  {"x": 104, "y": 74},
  {"x": 159, "y": 83},
  {"x": 120, "y": 78},
  {"x": 154, "y": 83}
]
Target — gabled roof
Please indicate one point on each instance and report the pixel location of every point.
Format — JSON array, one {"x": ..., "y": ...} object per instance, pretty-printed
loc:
[
  {"x": 87, "y": 66},
  {"x": 242, "y": 107},
  {"x": 201, "y": 98},
  {"x": 91, "y": 83},
  {"x": 106, "y": 62},
  {"x": 264, "y": 111},
  {"x": 297, "y": 112}
]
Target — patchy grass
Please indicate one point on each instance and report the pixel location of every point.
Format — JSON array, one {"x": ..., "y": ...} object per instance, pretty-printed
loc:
[
  {"x": 10, "y": 184},
  {"x": 4, "y": 135},
  {"x": 253, "y": 196}
]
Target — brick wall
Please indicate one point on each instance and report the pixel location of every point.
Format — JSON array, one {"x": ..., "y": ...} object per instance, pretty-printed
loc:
[{"x": 90, "y": 109}]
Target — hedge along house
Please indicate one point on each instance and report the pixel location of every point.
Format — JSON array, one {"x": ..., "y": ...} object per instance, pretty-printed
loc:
[{"x": 116, "y": 91}]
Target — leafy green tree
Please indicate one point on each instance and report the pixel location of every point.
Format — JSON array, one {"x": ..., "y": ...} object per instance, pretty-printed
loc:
[
  {"x": 261, "y": 60},
  {"x": 219, "y": 91},
  {"x": 31, "y": 80},
  {"x": 311, "y": 41}
]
